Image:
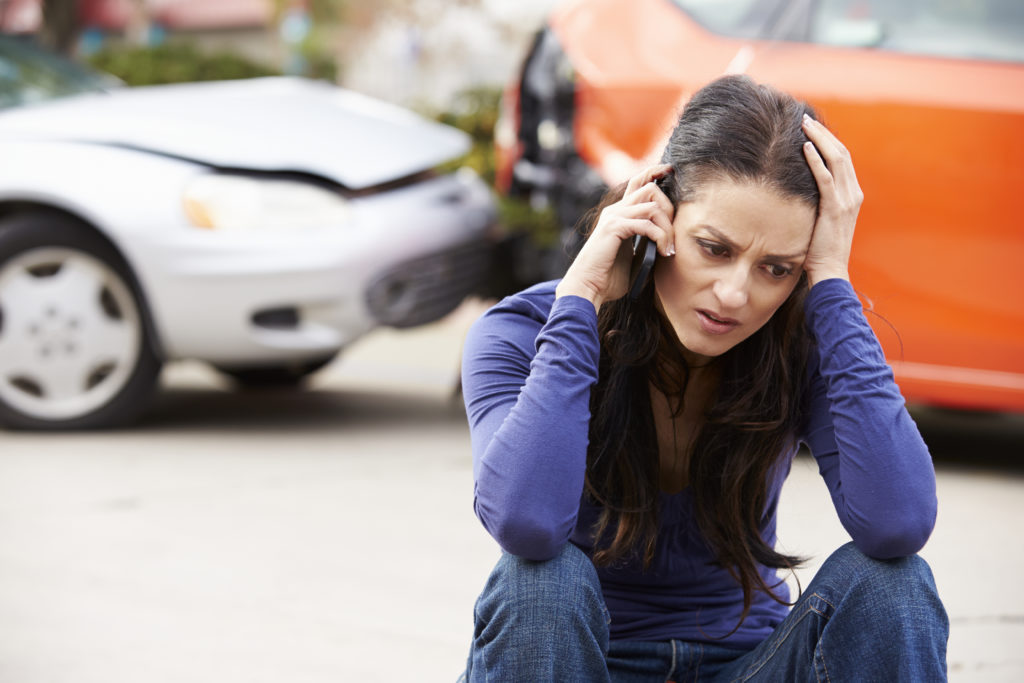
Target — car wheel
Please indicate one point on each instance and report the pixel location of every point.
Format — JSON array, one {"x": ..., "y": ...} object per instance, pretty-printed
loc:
[
  {"x": 74, "y": 348},
  {"x": 274, "y": 376}
]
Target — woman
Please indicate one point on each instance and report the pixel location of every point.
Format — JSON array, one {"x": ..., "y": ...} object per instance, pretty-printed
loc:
[{"x": 628, "y": 455}]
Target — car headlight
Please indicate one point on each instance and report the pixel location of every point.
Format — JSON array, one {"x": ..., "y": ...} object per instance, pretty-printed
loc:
[{"x": 236, "y": 202}]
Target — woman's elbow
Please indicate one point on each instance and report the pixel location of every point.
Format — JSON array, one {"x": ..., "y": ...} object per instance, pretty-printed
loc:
[
  {"x": 900, "y": 536},
  {"x": 525, "y": 536}
]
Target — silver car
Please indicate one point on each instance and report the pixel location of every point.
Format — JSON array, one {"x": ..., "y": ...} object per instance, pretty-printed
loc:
[{"x": 258, "y": 225}]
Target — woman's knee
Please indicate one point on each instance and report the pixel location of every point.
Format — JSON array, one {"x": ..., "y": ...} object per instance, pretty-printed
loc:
[
  {"x": 902, "y": 587},
  {"x": 541, "y": 621},
  {"x": 565, "y": 587},
  {"x": 899, "y": 574},
  {"x": 878, "y": 619}
]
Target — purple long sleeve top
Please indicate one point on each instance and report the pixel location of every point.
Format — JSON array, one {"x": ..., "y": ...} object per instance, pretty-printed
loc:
[{"x": 529, "y": 365}]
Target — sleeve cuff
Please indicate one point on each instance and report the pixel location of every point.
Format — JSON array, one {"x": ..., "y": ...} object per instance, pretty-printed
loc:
[
  {"x": 826, "y": 296},
  {"x": 576, "y": 306}
]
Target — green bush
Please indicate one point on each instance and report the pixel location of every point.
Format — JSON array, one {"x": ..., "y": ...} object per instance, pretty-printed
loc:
[{"x": 175, "y": 62}]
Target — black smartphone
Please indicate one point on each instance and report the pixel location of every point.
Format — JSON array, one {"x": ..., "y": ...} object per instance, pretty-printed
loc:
[{"x": 644, "y": 253}]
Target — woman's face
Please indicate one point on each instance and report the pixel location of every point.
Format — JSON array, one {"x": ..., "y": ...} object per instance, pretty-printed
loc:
[{"x": 740, "y": 250}]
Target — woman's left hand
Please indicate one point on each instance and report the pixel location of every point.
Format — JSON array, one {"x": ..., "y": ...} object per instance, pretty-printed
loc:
[{"x": 829, "y": 253}]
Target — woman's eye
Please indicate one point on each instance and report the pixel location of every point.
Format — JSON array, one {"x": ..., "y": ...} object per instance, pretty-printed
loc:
[
  {"x": 777, "y": 271},
  {"x": 713, "y": 248}
]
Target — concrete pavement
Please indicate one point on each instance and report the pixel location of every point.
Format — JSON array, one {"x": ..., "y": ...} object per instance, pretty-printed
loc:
[{"x": 328, "y": 535}]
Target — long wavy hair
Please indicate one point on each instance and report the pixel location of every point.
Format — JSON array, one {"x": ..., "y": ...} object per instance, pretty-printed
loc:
[{"x": 738, "y": 130}]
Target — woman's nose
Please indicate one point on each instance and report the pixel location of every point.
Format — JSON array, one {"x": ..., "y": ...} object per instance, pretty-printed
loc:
[{"x": 731, "y": 288}]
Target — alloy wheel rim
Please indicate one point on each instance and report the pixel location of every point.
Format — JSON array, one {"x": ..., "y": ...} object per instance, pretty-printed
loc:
[{"x": 70, "y": 333}]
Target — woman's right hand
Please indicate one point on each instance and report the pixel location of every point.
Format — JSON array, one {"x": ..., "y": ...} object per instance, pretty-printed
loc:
[{"x": 601, "y": 270}]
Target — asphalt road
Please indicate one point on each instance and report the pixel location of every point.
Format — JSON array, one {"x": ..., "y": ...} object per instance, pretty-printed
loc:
[{"x": 327, "y": 535}]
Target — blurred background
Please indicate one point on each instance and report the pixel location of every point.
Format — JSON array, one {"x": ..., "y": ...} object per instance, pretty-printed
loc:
[{"x": 241, "y": 242}]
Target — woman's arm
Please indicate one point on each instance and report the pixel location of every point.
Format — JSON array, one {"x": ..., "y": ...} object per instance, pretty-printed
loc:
[
  {"x": 527, "y": 376},
  {"x": 869, "y": 451},
  {"x": 527, "y": 389}
]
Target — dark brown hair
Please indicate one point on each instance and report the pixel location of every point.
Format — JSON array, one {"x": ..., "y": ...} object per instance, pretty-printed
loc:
[{"x": 738, "y": 130}]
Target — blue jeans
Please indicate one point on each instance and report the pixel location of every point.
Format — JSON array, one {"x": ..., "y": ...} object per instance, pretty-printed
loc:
[{"x": 860, "y": 619}]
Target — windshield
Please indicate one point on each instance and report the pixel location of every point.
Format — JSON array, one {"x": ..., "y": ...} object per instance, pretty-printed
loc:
[
  {"x": 967, "y": 29},
  {"x": 28, "y": 75},
  {"x": 727, "y": 17},
  {"x": 980, "y": 29}
]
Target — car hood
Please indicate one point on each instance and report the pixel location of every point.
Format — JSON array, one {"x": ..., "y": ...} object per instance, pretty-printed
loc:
[{"x": 265, "y": 124}]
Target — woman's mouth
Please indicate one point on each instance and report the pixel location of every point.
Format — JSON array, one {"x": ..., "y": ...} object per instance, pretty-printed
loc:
[{"x": 713, "y": 323}]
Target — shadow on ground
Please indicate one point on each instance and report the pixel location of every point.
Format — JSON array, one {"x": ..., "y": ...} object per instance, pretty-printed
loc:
[
  {"x": 277, "y": 410},
  {"x": 960, "y": 439},
  {"x": 957, "y": 439}
]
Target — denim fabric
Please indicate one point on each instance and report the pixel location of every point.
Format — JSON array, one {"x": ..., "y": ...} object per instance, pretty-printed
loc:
[
  {"x": 860, "y": 619},
  {"x": 541, "y": 621}
]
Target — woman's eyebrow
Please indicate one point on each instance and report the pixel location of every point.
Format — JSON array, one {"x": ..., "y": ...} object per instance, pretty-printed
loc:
[{"x": 721, "y": 237}]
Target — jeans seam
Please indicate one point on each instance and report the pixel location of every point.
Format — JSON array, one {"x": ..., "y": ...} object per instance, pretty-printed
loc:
[
  {"x": 672, "y": 669},
  {"x": 487, "y": 668},
  {"x": 817, "y": 647},
  {"x": 700, "y": 658},
  {"x": 808, "y": 609},
  {"x": 483, "y": 651},
  {"x": 821, "y": 657},
  {"x": 824, "y": 600}
]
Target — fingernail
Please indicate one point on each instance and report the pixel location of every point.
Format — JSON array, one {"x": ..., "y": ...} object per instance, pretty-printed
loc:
[{"x": 807, "y": 118}]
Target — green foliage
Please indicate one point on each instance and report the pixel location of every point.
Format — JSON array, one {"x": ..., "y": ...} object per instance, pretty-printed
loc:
[
  {"x": 175, "y": 62},
  {"x": 475, "y": 112},
  {"x": 315, "y": 48},
  {"x": 541, "y": 226},
  {"x": 320, "y": 64},
  {"x": 322, "y": 11}
]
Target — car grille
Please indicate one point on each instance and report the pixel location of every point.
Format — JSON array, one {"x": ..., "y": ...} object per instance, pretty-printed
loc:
[{"x": 425, "y": 289}]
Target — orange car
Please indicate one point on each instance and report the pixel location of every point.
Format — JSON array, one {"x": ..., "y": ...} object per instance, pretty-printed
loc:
[{"x": 928, "y": 96}]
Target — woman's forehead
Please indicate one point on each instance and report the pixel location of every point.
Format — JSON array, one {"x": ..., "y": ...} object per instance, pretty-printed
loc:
[{"x": 744, "y": 213}]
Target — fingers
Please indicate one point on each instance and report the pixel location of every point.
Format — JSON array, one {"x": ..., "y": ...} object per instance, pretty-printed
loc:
[
  {"x": 649, "y": 219},
  {"x": 828, "y": 254},
  {"x": 600, "y": 271},
  {"x": 652, "y": 193},
  {"x": 831, "y": 163},
  {"x": 643, "y": 210},
  {"x": 648, "y": 175},
  {"x": 818, "y": 167},
  {"x": 832, "y": 150}
]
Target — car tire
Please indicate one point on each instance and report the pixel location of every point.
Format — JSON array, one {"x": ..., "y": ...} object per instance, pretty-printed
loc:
[
  {"x": 75, "y": 349},
  {"x": 274, "y": 376}
]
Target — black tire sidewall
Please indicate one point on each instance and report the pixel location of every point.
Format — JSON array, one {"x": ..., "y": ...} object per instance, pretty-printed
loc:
[{"x": 22, "y": 233}]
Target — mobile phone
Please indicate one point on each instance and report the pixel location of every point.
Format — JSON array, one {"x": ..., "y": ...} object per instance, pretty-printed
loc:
[{"x": 644, "y": 253}]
